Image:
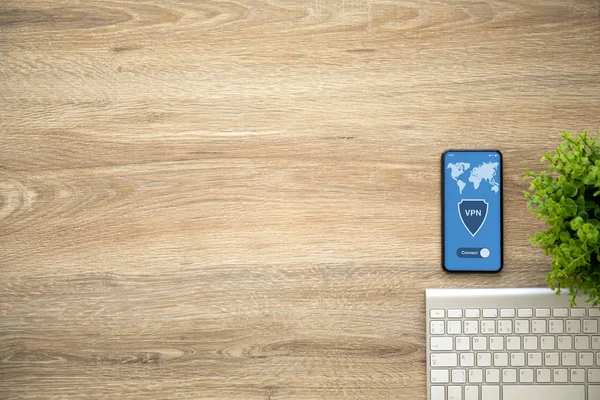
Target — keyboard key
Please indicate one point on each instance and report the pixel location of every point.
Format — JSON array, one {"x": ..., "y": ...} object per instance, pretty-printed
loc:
[
  {"x": 441, "y": 343},
  {"x": 578, "y": 312},
  {"x": 471, "y": 327},
  {"x": 490, "y": 392},
  {"x": 556, "y": 326},
  {"x": 513, "y": 343},
  {"x": 496, "y": 343},
  {"x": 488, "y": 327},
  {"x": 471, "y": 392},
  {"x": 439, "y": 376},
  {"x": 509, "y": 375},
  {"x": 525, "y": 312},
  {"x": 501, "y": 360},
  {"x": 479, "y": 343},
  {"x": 517, "y": 359},
  {"x": 542, "y": 312},
  {"x": 560, "y": 312},
  {"x": 577, "y": 376},
  {"x": 436, "y": 313},
  {"x": 573, "y": 326},
  {"x": 492, "y": 375},
  {"x": 560, "y": 375},
  {"x": 547, "y": 343},
  {"x": 475, "y": 375},
  {"x": 504, "y": 326},
  {"x": 455, "y": 313},
  {"x": 590, "y": 326},
  {"x": 467, "y": 359},
  {"x": 453, "y": 327},
  {"x": 484, "y": 359},
  {"x": 454, "y": 393},
  {"x": 472, "y": 313},
  {"x": 459, "y": 376},
  {"x": 463, "y": 343},
  {"x": 543, "y": 375},
  {"x": 538, "y": 326},
  {"x": 525, "y": 375},
  {"x": 593, "y": 375},
  {"x": 507, "y": 313},
  {"x": 595, "y": 342},
  {"x": 444, "y": 359},
  {"x": 534, "y": 359},
  {"x": 545, "y": 392},
  {"x": 551, "y": 359},
  {"x": 586, "y": 359},
  {"x": 565, "y": 343},
  {"x": 438, "y": 393},
  {"x": 436, "y": 327},
  {"x": 490, "y": 313},
  {"x": 594, "y": 312},
  {"x": 530, "y": 343},
  {"x": 598, "y": 359},
  {"x": 522, "y": 326},
  {"x": 568, "y": 359},
  {"x": 593, "y": 391},
  {"x": 582, "y": 342}
]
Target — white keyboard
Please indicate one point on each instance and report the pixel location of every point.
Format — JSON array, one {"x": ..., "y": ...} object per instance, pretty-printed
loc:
[{"x": 511, "y": 344}]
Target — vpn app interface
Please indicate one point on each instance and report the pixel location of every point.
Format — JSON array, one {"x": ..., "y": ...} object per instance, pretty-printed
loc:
[{"x": 472, "y": 215}]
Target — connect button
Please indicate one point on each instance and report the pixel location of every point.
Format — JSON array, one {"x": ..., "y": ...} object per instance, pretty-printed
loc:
[{"x": 473, "y": 252}]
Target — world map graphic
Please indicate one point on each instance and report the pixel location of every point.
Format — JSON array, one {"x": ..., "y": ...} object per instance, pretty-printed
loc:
[{"x": 484, "y": 172}]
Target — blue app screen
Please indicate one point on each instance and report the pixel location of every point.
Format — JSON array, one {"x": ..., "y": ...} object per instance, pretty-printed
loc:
[{"x": 472, "y": 210}]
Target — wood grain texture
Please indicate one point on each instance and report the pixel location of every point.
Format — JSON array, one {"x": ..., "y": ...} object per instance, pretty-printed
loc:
[{"x": 240, "y": 200}]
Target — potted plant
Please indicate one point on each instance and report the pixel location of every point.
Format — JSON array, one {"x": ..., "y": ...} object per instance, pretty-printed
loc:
[{"x": 566, "y": 197}]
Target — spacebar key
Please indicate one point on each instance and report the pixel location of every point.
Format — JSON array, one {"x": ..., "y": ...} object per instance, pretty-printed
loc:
[{"x": 546, "y": 392}]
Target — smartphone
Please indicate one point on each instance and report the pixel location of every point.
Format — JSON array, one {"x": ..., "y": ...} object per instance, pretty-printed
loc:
[{"x": 472, "y": 210}]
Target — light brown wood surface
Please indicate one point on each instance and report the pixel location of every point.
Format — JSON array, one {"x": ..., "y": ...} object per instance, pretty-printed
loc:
[{"x": 240, "y": 199}]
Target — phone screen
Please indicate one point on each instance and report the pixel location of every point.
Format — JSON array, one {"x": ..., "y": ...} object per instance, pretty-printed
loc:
[{"x": 472, "y": 210}]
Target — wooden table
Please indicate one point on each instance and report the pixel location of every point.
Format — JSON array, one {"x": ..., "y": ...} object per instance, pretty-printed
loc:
[{"x": 240, "y": 200}]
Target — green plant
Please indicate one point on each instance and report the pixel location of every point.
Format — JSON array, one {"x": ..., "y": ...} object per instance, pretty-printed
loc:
[{"x": 567, "y": 197}]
